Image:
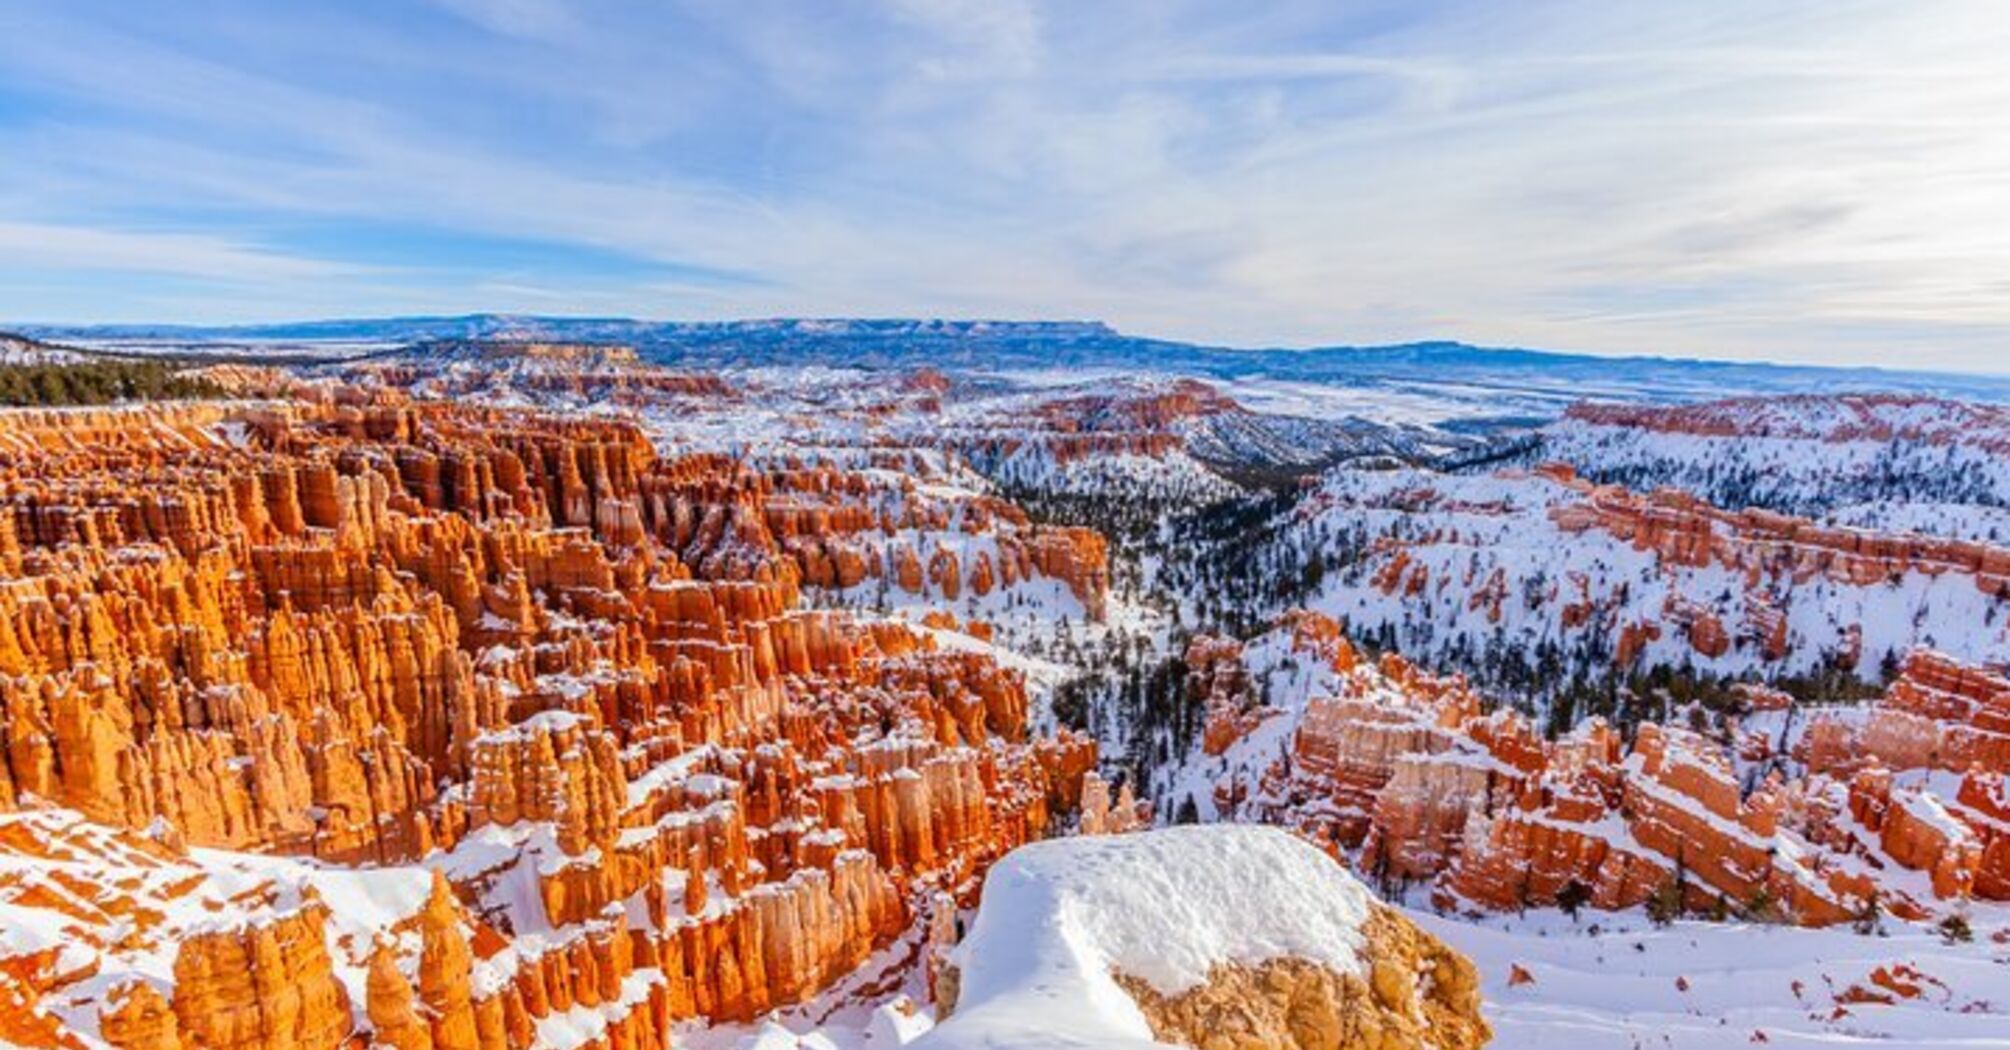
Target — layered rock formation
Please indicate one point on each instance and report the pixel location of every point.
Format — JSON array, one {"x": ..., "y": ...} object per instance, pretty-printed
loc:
[
  {"x": 1888, "y": 463},
  {"x": 1939, "y": 720},
  {"x": 1682, "y": 530},
  {"x": 1878, "y": 418},
  {"x": 1530, "y": 579},
  {"x": 572, "y": 675},
  {"x": 1404, "y": 772},
  {"x": 1418, "y": 993}
]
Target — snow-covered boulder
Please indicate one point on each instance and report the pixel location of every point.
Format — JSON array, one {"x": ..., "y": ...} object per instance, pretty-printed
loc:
[{"x": 1207, "y": 936}]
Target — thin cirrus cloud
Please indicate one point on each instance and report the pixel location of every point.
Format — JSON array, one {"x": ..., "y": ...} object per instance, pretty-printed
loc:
[
  {"x": 1786, "y": 180},
  {"x": 98, "y": 250}
]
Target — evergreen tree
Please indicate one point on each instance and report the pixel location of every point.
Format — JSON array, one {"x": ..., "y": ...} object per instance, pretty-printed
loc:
[{"x": 1573, "y": 896}]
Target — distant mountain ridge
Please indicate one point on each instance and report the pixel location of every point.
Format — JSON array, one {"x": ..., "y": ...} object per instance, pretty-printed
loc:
[{"x": 1541, "y": 377}]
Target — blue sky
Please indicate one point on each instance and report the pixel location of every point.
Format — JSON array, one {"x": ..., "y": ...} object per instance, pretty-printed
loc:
[{"x": 1822, "y": 181}]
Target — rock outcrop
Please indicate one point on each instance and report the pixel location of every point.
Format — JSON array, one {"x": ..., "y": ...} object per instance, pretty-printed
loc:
[
  {"x": 269, "y": 984},
  {"x": 1836, "y": 419},
  {"x": 1683, "y": 530},
  {"x": 1406, "y": 774},
  {"x": 1418, "y": 993},
  {"x": 1222, "y": 936},
  {"x": 1534, "y": 579},
  {"x": 574, "y": 675}
]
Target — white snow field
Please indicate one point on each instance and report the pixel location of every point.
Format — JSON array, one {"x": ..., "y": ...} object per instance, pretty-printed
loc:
[{"x": 1706, "y": 986}]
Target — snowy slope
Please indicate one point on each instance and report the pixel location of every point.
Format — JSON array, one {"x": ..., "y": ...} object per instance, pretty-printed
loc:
[
  {"x": 1619, "y": 983},
  {"x": 1164, "y": 906},
  {"x": 16, "y": 350},
  {"x": 1465, "y": 536},
  {"x": 117, "y": 904},
  {"x": 1924, "y": 464}
]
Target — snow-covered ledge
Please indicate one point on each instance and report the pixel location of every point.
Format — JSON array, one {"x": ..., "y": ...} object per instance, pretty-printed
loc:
[{"x": 1220, "y": 935}]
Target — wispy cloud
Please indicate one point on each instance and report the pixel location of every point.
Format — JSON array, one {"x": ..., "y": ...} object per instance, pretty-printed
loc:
[
  {"x": 989, "y": 38},
  {"x": 536, "y": 19},
  {"x": 1790, "y": 180},
  {"x": 43, "y": 246}
]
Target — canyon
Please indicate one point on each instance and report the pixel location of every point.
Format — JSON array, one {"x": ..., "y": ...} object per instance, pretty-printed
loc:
[
  {"x": 528, "y": 694},
  {"x": 574, "y": 678}
]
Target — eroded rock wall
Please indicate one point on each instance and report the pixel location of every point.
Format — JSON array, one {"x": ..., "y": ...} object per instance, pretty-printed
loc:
[{"x": 570, "y": 673}]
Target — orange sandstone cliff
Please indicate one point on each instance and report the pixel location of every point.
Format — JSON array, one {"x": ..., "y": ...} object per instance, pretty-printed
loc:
[
  {"x": 558, "y": 692},
  {"x": 1405, "y": 773}
]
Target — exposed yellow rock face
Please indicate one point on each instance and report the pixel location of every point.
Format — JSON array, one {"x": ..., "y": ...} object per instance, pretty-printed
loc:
[
  {"x": 1417, "y": 994},
  {"x": 268, "y": 987}
]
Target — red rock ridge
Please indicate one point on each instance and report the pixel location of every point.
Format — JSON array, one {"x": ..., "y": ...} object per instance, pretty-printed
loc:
[
  {"x": 1683, "y": 530},
  {"x": 1848, "y": 417},
  {"x": 1404, "y": 771}
]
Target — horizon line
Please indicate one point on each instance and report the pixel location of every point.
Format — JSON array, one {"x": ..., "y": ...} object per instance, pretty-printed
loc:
[{"x": 193, "y": 330}]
